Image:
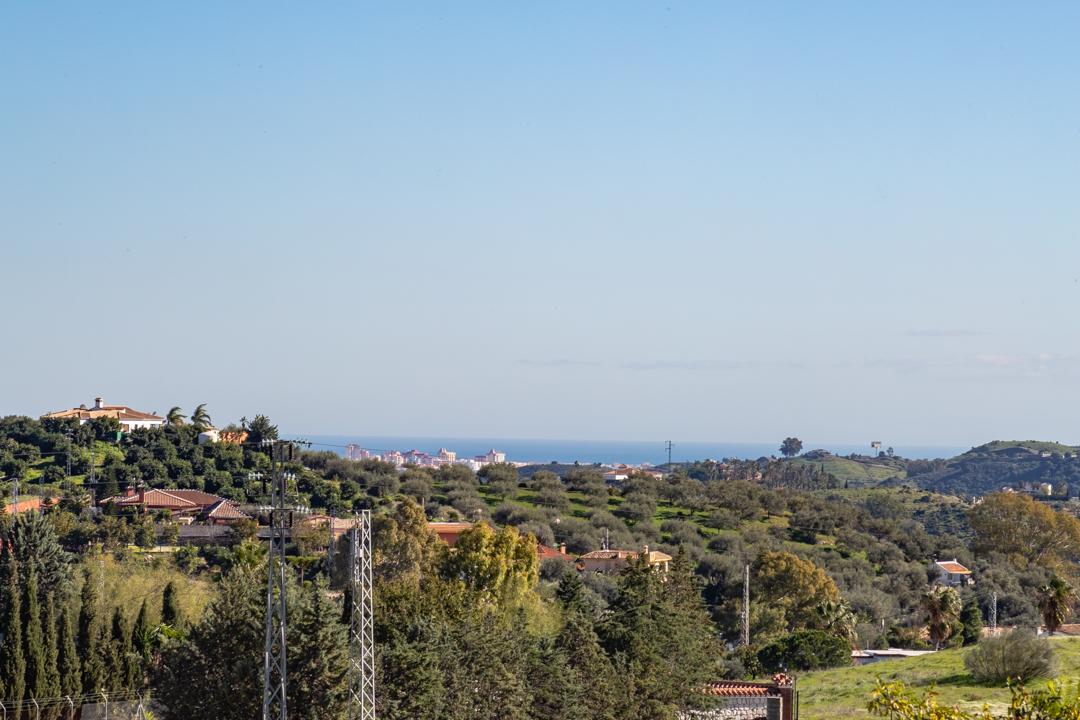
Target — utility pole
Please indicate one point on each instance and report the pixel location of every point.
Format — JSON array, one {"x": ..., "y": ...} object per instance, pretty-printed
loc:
[
  {"x": 746, "y": 606},
  {"x": 993, "y": 613},
  {"x": 669, "y": 455},
  {"x": 275, "y": 705},
  {"x": 361, "y": 630},
  {"x": 69, "y": 438},
  {"x": 330, "y": 550}
]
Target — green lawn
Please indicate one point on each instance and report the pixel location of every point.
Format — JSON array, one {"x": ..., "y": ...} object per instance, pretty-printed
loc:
[{"x": 844, "y": 693}]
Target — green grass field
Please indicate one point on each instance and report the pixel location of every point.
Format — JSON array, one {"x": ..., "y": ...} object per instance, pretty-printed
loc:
[
  {"x": 858, "y": 474},
  {"x": 1037, "y": 445},
  {"x": 843, "y": 693}
]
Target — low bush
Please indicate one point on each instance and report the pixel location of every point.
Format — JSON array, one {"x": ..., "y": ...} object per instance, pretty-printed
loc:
[
  {"x": 805, "y": 650},
  {"x": 1009, "y": 656}
]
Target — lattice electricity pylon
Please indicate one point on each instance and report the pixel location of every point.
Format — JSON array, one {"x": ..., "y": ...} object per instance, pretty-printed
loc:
[
  {"x": 361, "y": 626},
  {"x": 275, "y": 705}
]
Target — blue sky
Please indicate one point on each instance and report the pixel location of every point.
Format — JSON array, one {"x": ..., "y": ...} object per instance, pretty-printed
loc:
[{"x": 706, "y": 222}]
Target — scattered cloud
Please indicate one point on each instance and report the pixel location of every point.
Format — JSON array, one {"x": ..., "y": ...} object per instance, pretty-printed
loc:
[
  {"x": 558, "y": 362},
  {"x": 1021, "y": 365},
  {"x": 945, "y": 333}
]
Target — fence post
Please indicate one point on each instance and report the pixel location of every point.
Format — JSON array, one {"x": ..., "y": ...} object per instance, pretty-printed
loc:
[{"x": 773, "y": 706}]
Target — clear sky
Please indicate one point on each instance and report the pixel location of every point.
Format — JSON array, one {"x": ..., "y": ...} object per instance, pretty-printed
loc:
[{"x": 709, "y": 221}]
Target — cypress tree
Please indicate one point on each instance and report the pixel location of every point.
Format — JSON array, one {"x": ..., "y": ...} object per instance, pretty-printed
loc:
[
  {"x": 586, "y": 661},
  {"x": 93, "y": 671},
  {"x": 127, "y": 668},
  {"x": 50, "y": 686},
  {"x": 140, "y": 633},
  {"x": 171, "y": 614},
  {"x": 67, "y": 660},
  {"x": 14, "y": 663},
  {"x": 33, "y": 643}
]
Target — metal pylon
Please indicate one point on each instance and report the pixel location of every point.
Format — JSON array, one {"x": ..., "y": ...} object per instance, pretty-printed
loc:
[
  {"x": 361, "y": 630},
  {"x": 275, "y": 706}
]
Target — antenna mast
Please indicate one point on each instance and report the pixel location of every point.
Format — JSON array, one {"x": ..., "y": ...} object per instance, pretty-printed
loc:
[{"x": 361, "y": 630}]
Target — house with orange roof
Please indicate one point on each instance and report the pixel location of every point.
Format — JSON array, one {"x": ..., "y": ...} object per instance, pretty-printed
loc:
[
  {"x": 129, "y": 419},
  {"x": 181, "y": 504},
  {"x": 546, "y": 553},
  {"x": 26, "y": 505},
  {"x": 448, "y": 532},
  {"x": 952, "y": 573}
]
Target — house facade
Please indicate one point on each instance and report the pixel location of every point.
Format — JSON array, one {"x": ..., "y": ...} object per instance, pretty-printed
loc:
[
  {"x": 611, "y": 562},
  {"x": 129, "y": 419},
  {"x": 952, "y": 573}
]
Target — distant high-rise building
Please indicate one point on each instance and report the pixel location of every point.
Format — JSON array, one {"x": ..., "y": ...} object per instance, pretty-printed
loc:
[
  {"x": 446, "y": 456},
  {"x": 355, "y": 452},
  {"x": 416, "y": 457},
  {"x": 393, "y": 456},
  {"x": 491, "y": 457}
]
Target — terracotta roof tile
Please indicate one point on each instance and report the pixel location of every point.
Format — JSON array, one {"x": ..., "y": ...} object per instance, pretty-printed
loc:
[{"x": 954, "y": 567}]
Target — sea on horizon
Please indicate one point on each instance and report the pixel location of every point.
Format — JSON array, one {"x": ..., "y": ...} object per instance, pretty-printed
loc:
[{"x": 631, "y": 452}]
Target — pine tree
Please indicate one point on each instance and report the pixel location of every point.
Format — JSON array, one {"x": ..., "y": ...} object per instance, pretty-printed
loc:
[
  {"x": 67, "y": 660},
  {"x": 140, "y": 634},
  {"x": 171, "y": 614},
  {"x": 14, "y": 663},
  {"x": 51, "y": 685},
  {"x": 318, "y": 656},
  {"x": 92, "y": 666},
  {"x": 555, "y": 688},
  {"x": 33, "y": 643},
  {"x": 693, "y": 647},
  {"x": 585, "y": 659}
]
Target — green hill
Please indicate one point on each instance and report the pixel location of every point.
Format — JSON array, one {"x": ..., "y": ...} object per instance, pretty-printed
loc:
[
  {"x": 861, "y": 471},
  {"x": 843, "y": 693}
]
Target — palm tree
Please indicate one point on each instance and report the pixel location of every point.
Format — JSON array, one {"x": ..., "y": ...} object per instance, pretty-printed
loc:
[
  {"x": 836, "y": 619},
  {"x": 940, "y": 608},
  {"x": 1055, "y": 602},
  {"x": 200, "y": 418},
  {"x": 174, "y": 417},
  {"x": 302, "y": 563}
]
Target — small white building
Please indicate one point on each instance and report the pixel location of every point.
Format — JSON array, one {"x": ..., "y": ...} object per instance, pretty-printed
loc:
[
  {"x": 952, "y": 573},
  {"x": 491, "y": 457},
  {"x": 129, "y": 419}
]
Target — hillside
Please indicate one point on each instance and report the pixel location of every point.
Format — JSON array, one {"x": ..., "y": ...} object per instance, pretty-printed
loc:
[
  {"x": 860, "y": 470},
  {"x": 843, "y": 693}
]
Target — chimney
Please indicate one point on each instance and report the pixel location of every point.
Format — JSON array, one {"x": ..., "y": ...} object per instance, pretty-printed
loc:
[
  {"x": 142, "y": 494},
  {"x": 646, "y": 551},
  {"x": 98, "y": 403},
  {"x": 562, "y": 548},
  {"x": 129, "y": 491}
]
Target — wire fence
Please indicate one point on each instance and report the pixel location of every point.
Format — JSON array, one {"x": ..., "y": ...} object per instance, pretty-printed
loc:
[{"x": 118, "y": 705}]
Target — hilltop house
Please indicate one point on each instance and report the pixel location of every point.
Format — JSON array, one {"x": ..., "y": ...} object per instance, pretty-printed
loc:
[
  {"x": 952, "y": 573},
  {"x": 611, "y": 562},
  {"x": 129, "y": 419}
]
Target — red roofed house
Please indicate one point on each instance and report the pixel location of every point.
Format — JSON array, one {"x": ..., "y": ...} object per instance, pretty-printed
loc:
[
  {"x": 953, "y": 573},
  {"x": 181, "y": 503},
  {"x": 448, "y": 532},
  {"x": 547, "y": 553},
  {"x": 129, "y": 419},
  {"x": 749, "y": 699},
  {"x": 24, "y": 506}
]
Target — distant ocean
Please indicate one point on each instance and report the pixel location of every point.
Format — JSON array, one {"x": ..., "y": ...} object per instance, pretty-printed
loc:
[{"x": 602, "y": 451}]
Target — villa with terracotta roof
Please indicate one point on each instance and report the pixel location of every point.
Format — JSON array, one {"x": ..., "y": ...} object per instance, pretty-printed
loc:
[
  {"x": 546, "y": 553},
  {"x": 129, "y": 419},
  {"x": 180, "y": 503},
  {"x": 611, "y": 562},
  {"x": 448, "y": 531},
  {"x": 952, "y": 573}
]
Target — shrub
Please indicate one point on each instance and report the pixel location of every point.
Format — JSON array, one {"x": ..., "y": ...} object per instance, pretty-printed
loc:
[
  {"x": 1009, "y": 656},
  {"x": 805, "y": 650}
]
